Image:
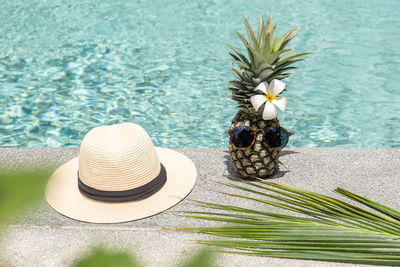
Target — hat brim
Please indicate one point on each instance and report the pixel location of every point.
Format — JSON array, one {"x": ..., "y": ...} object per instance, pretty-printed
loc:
[{"x": 63, "y": 195}]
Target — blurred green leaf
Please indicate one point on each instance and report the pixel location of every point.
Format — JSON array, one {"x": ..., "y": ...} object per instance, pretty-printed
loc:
[
  {"x": 19, "y": 189},
  {"x": 100, "y": 257},
  {"x": 203, "y": 258}
]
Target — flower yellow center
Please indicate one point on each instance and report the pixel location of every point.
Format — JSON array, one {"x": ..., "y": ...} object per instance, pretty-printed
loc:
[{"x": 269, "y": 97}]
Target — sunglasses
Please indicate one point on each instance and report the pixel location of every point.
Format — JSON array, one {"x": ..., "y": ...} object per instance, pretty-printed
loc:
[{"x": 243, "y": 137}]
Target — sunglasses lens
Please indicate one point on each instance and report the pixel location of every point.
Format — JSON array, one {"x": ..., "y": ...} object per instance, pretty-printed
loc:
[
  {"x": 276, "y": 137},
  {"x": 242, "y": 137}
]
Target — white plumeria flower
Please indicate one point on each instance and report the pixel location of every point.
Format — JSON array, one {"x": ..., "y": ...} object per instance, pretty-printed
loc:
[{"x": 270, "y": 98}]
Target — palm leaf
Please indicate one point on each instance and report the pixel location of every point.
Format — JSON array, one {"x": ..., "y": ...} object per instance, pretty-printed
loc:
[
  {"x": 328, "y": 229},
  {"x": 395, "y": 214}
]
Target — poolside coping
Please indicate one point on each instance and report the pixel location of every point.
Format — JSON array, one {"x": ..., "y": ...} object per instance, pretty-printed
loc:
[{"x": 42, "y": 237}]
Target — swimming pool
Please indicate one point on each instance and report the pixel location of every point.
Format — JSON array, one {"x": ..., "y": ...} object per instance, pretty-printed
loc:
[{"x": 68, "y": 67}]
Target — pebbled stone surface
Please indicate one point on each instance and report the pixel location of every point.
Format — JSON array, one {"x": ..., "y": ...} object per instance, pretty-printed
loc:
[{"x": 42, "y": 237}]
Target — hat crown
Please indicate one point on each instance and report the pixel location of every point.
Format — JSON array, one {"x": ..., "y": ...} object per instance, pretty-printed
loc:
[{"x": 117, "y": 157}]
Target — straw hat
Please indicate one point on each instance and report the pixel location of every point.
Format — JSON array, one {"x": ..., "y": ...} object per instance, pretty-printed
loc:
[{"x": 120, "y": 176}]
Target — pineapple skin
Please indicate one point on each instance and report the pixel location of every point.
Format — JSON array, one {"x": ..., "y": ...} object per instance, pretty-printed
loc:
[{"x": 258, "y": 161}]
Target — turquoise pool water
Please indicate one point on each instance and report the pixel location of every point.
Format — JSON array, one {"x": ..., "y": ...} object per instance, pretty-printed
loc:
[{"x": 68, "y": 67}]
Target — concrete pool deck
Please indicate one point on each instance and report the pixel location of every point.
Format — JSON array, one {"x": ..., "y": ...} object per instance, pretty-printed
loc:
[{"x": 42, "y": 237}]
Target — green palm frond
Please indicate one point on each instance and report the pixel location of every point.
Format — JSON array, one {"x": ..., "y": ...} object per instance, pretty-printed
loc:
[{"x": 332, "y": 230}]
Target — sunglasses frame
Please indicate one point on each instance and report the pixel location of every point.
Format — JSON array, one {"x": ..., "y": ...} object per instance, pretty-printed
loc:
[{"x": 229, "y": 132}]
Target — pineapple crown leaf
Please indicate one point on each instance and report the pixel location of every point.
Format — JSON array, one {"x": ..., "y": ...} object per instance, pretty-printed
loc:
[
  {"x": 241, "y": 56},
  {"x": 266, "y": 59},
  {"x": 235, "y": 57},
  {"x": 286, "y": 38},
  {"x": 263, "y": 67},
  {"x": 242, "y": 65},
  {"x": 274, "y": 55},
  {"x": 246, "y": 45},
  {"x": 238, "y": 74},
  {"x": 260, "y": 27},
  {"x": 250, "y": 33},
  {"x": 291, "y": 56},
  {"x": 286, "y": 63},
  {"x": 265, "y": 74},
  {"x": 237, "y": 84}
]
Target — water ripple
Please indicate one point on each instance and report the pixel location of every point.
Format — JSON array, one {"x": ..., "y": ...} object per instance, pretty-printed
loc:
[{"x": 68, "y": 67}]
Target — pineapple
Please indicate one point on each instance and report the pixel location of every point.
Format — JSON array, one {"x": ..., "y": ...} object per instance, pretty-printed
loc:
[{"x": 265, "y": 62}]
